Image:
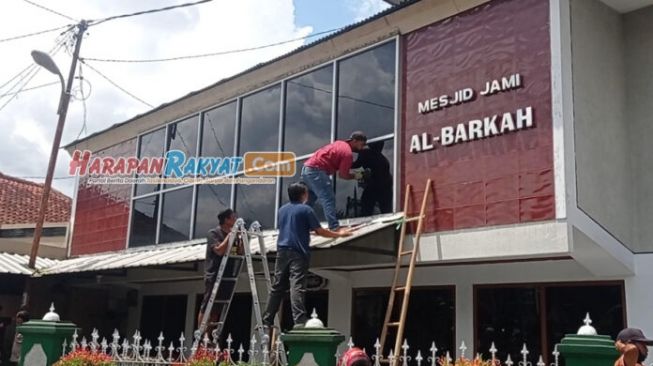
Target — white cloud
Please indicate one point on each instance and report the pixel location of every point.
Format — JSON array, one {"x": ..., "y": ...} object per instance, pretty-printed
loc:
[
  {"x": 28, "y": 123},
  {"x": 363, "y": 9}
]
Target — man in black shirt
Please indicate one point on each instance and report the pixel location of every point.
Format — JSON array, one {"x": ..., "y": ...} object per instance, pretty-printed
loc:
[
  {"x": 217, "y": 242},
  {"x": 378, "y": 184}
]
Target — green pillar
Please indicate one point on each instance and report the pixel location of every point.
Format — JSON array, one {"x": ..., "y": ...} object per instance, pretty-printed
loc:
[
  {"x": 314, "y": 342},
  {"x": 43, "y": 339},
  {"x": 587, "y": 348}
]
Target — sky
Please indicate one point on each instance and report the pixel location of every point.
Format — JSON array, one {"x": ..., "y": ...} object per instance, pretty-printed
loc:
[{"x": 28, "y": 119}]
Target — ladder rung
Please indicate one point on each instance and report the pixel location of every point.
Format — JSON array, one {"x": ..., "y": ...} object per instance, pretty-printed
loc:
[
  {"x": 411, "y": 219},
  {"x": 393, "y": 324},
  {"x": 400, "y": 288},
  {"x": 407, "y": 252}
]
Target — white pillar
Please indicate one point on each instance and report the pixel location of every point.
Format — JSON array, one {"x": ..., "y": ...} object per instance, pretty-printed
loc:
[
  {"x": 464, "y": 315},
  {"x": 190, "y": 316},
  {"x": 639, "y": 297}
]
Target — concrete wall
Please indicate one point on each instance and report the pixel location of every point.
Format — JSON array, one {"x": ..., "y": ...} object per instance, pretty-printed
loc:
[
  {"x": 638, "y": 32},
  {"x": 603, "y": 164}
]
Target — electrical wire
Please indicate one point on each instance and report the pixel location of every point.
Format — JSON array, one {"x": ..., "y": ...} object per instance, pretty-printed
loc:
[
  {"x": 17, "y": 75},
  {"x": 33, "y": 70},
  {"x": 100, "y": 21},
  {"x": 219, "y": 53},
  {"x": 114, "y": 83},
  {"x": 32, "y": 88},
  {"x": 50, "y": 10},
  {"x": 34, "y": 34},
  {"x": 81, "y": 91}
]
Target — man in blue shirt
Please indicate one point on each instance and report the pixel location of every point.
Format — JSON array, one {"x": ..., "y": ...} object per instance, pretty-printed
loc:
[{"x": 296, "y": 221}]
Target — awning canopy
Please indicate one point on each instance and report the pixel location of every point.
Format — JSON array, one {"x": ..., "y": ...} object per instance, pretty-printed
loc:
[
  {"x": 18, "y": 264},
  {"x": 195, "y": 250}
]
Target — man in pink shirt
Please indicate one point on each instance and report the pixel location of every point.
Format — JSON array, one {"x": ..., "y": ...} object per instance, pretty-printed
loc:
[{"x": 334, "y": 157}]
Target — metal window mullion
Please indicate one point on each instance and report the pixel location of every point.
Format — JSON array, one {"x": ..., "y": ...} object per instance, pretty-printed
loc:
[
  {"x": 282, "y": 115},
  {"x": 158, "y": 219},
  {"x": 131, "y": 198},
  {"x": 239, "y": 107},
  {"x": 397, "y": 134},
  {"x": 193, "y": 200}
]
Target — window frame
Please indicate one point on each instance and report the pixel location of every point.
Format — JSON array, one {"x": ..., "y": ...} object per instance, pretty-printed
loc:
[
  {"x": 541, "y": 303},
  {"x": 238, "y": 100}
]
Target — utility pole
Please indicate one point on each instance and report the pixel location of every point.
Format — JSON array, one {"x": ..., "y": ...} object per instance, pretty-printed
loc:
[{"x": 62, "y": 111}]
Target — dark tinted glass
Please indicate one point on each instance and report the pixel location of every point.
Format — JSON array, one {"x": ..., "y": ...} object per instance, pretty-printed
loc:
[
  {"x": 286, "y": 182},
  {"x": 183, "y": 136},
  {"x": 366, "y": 92},
  {"x": 259, "y": 125},
  {"x": 509, "y": 317},
  {"x": 218, "y": 131},
  {"x": 175, "y": 217},
  {"x": 144, "y": 218},
  {"x": 211, "y": 199},
  {"x": 349, "y": 194},
  {"x": 150, "y": 145},
  {"x": 308, "y": 111},
  {"x": 431, "y": 318},
  {"x": 256, "y": 203},
  {"x": 567, "y": 306},
  {"x": 156, "y": 317}
]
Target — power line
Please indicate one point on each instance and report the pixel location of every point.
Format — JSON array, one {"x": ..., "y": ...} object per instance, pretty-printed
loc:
[
  {"x": 34, "y": 69},
  {"x": 100, "y": 21},
  {"x": 71, "y": 177},
  {"x": 28, "y": 89},
  {"x": 17, "y": 75},
  {"x": 177, "y": 58},
  {"x": 114, "y": 84},
  {"x": 50, "y": 10},
  {"x": 34, "y": 34},
  {"x": 81, "y": 91}
]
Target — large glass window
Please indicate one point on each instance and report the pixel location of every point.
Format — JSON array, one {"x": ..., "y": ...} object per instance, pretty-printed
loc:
[
  {"x": 175, "y": 216},
  {"x": 211, "y": 199},
  {"x": 218, "y": 130},
  {"x": 183, "y": 136},
  {"x": 144, "y": 218},
  {"x": 308, "y": 111},
  {"x": 150, "y": 145},
  {"x": 541, "y": 315},
  {"x": 259, "y": 122},
  {"x": 366, "y": 92},
  {"x": 259, "y": 131},
  {"x": 431, "y": 311},
  {"x": 352, "y": 198}
]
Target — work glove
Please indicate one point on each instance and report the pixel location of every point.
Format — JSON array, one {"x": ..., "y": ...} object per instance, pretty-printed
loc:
[{"x": 357, "y": 173}]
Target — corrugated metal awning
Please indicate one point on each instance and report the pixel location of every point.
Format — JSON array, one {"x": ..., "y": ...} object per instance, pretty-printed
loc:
[
  {"x": 195, "y": 250},
  {"x": 17, "y": 264}
]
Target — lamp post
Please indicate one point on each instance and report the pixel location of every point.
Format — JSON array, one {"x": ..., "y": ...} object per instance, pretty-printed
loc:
[{"x": 44, "y": 60}]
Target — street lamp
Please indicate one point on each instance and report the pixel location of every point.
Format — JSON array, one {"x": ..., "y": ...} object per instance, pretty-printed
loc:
[{"x": 45, "y": 61}]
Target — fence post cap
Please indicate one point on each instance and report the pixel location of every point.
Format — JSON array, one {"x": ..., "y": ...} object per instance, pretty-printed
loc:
[{"x": 51, "y": 316}]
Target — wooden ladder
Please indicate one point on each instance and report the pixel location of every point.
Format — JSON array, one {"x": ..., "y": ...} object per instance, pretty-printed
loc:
[{"x": 405, "y": 288}]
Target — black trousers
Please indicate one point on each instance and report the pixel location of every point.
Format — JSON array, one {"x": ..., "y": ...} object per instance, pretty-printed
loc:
[
  {"x": 373, "y": 195},
  {"x": 290, "y": 272}
]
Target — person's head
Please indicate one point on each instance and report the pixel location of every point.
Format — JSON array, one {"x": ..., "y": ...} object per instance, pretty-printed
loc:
[
  {"x": 354, "y": 357},
  {"x": 635, "y": 336},
  {"x": 227, "y": 218},
  {"x": 376, "y": 146},
  {"x": 357, "y": 141},
  {"x": 22, "y": 317},
  {"x": 298, "y": 192}
]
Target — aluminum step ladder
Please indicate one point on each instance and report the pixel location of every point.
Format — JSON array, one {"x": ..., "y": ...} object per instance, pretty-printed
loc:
[{"x": 225, "y": 287}]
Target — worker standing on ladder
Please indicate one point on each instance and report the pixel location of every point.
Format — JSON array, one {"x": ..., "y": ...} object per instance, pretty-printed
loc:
[
  {"x": 334, "y": 157},
  {"x": 216, "y": 245},
  {"x": 296, "y": 221}
]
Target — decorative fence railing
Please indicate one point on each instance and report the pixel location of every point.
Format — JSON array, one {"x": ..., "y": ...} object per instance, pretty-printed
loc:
[{"x": 139, "y": 351}]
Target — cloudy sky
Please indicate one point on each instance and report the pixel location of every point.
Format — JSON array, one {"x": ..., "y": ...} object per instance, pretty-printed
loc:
[{"x": 28, "y": 119}]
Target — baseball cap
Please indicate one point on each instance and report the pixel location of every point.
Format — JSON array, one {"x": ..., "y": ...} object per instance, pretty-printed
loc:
[
  {"x": 357, "y": 135},
  {"x": 633, "y": 334}
]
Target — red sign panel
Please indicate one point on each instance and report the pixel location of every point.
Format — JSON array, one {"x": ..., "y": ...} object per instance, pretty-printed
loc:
[{"x": 477, "y": 116}]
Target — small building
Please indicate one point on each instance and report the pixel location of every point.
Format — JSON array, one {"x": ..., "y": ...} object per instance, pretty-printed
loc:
[{"x": 532, "y": 118}]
